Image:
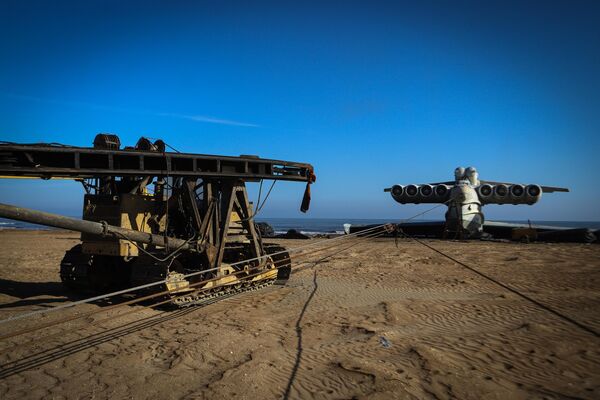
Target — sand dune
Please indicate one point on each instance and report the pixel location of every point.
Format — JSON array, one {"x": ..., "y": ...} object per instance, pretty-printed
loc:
[{"x": 382, "y": 322}]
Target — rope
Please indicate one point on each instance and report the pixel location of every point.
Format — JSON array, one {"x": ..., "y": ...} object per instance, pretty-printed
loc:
[
  {"x": 258, "y": 205},
  {"x": 265, "y": 200},
  {"x": 259, "y": 192}
]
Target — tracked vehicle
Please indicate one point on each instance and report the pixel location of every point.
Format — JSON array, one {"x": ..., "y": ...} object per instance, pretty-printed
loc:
[{"x": 152, "y": 215}]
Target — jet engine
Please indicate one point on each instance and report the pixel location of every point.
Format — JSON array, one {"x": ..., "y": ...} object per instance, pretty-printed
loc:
[
  {"x": 485, "y": 192},
  {"x": 500, "y": 194},
  {"x": 412, "y": 194},
  {"x": 509, "y": 194},
  {"x": 397, "y": 192},
  {"x": 420, "y": 193},
  {"x": 516, "y": 193},
  {"x": 442, "y": 193},
  {"x": 425, "y": 190},
  {"x": 441, "y": 190},
  {"x": 533, "y": 193},
  {"x": 411, "y": 190}
]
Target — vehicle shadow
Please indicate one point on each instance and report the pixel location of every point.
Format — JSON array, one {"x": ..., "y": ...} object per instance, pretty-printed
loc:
[
  {"x": 29, "y": 293},
  {"x": 42, "y": 294}
]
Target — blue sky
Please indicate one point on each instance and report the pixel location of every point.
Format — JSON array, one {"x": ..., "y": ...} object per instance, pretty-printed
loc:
[{"x": 370, "y": 93}]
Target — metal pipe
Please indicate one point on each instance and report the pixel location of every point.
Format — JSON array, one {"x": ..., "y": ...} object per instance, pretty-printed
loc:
[{"x": 90, "y": 227}]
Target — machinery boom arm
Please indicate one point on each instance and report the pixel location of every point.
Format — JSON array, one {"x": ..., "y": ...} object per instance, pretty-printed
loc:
[
  {"x": 50, "y": 161},
  {"x": 90, "y": 227}
]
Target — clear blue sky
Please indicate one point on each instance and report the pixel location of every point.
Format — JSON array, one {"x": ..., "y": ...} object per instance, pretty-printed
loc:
[{"x": 370, "y": 93}]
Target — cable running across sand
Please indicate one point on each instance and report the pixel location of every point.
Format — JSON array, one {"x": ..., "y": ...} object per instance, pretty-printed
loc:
[
  {"x": 149, "y": 285},
  {"x": 64, "y": 350},
  {"x": 120, "y": 292},
  {"x": 510, "y": 289},
  {"x": 151, "y": 296},
  {"x": 144, "y": 298}
]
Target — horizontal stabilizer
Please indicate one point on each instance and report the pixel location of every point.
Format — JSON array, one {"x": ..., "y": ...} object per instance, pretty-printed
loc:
[{"x": 550, "y": 189}]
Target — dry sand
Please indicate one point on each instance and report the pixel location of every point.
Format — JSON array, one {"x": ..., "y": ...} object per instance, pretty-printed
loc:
[{"x": 377, "y": 321}]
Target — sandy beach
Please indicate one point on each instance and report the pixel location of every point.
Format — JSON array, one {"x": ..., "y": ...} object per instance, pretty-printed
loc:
[{"x": 377, "y": 321}]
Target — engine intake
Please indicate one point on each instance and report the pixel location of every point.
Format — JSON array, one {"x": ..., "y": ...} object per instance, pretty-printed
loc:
[
  {"x": 412, "y": 190},
  {"x": 420, "y": 193},
  {"x": 397, "y": 192},
  {"x": 441, "y": 191},
  {"x": 500, "y": 192},
  {"x": 513, "y": 194},
  {"x": 426, "y": 190},
  {"x": 533, "y": 193},
  {"x": 485, "y": 191},
  {"x": 516, "y": 193}
]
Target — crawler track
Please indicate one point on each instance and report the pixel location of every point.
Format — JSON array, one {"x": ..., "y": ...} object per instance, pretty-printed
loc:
[
  {"x": 196, "y": 299},
  {"x": 96, "y": 274}
]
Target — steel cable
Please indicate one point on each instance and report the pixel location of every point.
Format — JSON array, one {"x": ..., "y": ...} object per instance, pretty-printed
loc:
[
  {"x": 510, "y": 289},
  {"x": 149, "y": 285},
  {"x": 83, "y": 343},
  {"x": 140, "y": 299},
  {"x": 170, "y": 300},
  {"x": 426, "y": 211}
]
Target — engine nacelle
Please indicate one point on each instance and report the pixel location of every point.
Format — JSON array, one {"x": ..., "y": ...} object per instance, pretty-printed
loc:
[
  {"x": 411, "y": 194},
  {"x": 509, "y": 194},
  {"x": 533, "y": 193},
  {"x": 517, "y": 193},
  {"x": 411, "y": 191},
  {"x": 397, "y": 192},
  {"x": 485, "y": 192},
  {"x": 441, "y": 193},
  {"x": 420, "y": 193},
  {"x": 426, "y": 191},
  {"x": 500, "y": 194}
]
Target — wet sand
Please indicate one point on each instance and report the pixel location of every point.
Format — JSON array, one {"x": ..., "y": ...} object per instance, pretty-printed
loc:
[{"x": 376, "y": 321}]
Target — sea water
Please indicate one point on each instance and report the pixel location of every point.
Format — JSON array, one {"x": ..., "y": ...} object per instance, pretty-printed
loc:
[{"x": 313, "y": 226}]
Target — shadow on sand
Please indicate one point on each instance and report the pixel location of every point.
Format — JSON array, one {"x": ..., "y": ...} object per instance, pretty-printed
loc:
[
  {"x": 66, "y": 349},
  {"x": 28, "y": 291},
  {"x": 299, "y": 350}
]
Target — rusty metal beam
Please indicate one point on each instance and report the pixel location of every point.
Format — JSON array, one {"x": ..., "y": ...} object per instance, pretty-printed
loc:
[{"x": 46, "y": 161}]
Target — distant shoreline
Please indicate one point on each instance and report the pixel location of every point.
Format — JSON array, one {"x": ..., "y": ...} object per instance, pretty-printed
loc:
[{"x": 317, "y": 226}]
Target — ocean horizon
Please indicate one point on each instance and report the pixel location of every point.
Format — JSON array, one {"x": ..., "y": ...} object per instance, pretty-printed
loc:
[{"x": 312, "y": 226}]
